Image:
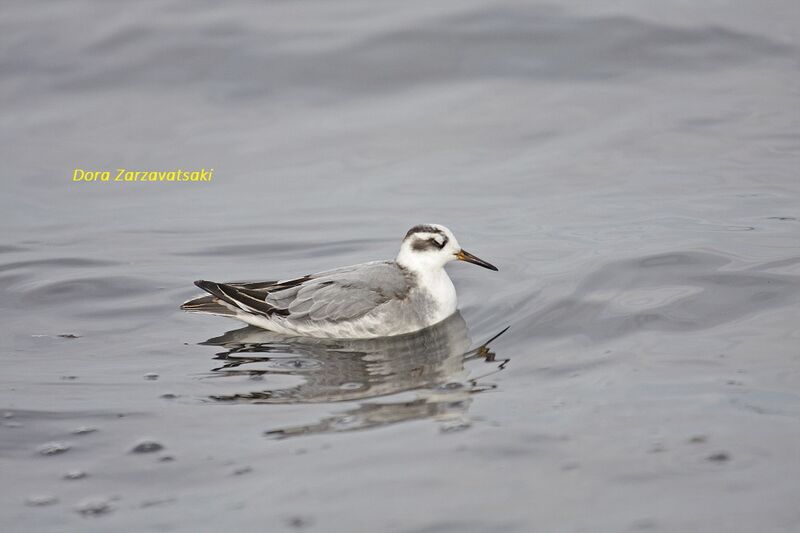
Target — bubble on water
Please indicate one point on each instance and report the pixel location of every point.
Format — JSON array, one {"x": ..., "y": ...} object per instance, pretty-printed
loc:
[
  {"x": 40, "y": 500},
  {"x": 94, "y": 506},
  {"x": 84, "y": 430},
  {"x": 719, "y": 457},
  {"x": 75, "y": 474},
  {"x": 151, "y": 376},
  {"x": 147, "y": 446},
  {"x": 53, "y": 448},
  {"x": 299, "y": 522}
]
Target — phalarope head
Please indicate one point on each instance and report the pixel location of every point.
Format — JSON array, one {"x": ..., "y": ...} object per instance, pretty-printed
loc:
[{"x": 431, "y": 246}]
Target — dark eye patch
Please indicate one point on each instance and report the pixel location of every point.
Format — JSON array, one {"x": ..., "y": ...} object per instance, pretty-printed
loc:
[{"x": 428, "y": 244}]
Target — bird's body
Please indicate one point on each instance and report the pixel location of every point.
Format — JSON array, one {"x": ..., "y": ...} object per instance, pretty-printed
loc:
[{"x": 375, "y": 299}]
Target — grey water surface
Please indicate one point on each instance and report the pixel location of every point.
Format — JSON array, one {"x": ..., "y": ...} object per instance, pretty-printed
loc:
[{"x": 631, "y": 167}]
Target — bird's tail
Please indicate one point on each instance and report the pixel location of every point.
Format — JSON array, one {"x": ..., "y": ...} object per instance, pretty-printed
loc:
[{"x": 206, "y": 304}]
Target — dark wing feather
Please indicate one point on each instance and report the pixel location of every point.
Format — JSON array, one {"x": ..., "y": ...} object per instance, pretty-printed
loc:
[{"x": 250, "y": 300}]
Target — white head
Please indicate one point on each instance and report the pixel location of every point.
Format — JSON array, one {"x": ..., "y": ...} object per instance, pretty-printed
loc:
[{"x": 428, "y": 247}]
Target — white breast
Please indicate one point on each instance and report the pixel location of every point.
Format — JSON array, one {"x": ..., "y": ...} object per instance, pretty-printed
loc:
[{"x": 439, "y": 290}]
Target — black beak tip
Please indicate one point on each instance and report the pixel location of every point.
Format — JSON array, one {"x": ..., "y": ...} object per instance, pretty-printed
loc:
[{"x": 469, "y": 258}]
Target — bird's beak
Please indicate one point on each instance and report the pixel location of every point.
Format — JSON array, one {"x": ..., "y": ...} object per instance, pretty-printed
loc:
[{"x": 462, "y": 255}]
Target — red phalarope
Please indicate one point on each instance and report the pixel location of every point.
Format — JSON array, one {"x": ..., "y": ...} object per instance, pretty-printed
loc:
[{"x": 375, "y": 299}]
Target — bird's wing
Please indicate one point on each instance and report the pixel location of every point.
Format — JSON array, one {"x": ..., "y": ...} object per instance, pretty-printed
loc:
[{"x": 334, "y": 296}]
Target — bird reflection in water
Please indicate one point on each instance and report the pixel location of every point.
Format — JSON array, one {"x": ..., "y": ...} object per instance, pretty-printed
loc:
[{"x": 434, "y": 363}]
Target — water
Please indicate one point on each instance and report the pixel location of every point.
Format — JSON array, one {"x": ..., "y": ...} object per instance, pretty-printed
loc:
[{"x": 632, "y": 170}]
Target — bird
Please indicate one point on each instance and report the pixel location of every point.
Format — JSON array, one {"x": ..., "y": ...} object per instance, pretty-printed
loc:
[{"x": 368, "y": 300}]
